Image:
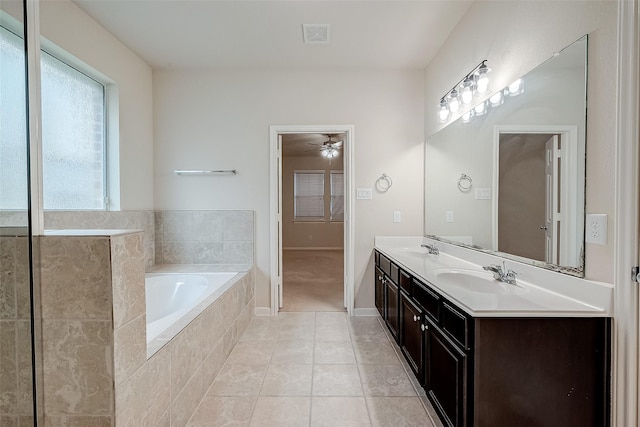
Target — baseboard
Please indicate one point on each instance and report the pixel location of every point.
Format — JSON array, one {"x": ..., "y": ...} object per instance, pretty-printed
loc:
[
  {"x": 315, "y": 248},
  {"x": 263, "y": 311},
  {"x": 365, "y": 312}
]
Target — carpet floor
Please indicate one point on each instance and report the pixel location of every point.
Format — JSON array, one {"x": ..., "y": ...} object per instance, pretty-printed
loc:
[{"x": 313, "y": 280}]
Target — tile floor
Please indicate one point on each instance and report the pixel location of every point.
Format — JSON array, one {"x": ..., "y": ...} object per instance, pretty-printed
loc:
[{"x": 313, "y": 369}]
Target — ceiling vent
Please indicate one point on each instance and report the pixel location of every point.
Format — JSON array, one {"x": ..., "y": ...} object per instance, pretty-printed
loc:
[{"x": 316, "y": 33}]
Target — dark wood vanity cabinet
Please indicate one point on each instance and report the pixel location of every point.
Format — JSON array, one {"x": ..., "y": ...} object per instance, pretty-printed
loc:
[
  {"x": 447, "y": 373},
  {"x": 412, "y": 335},
  {"x": 388, "y": 292},
  {"x": 379, "y": 292},
  {"x": 494, "y": 372},
  {"x": 392, "y": 297}
]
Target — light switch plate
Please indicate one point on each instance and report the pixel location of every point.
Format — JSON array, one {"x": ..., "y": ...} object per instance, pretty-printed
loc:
[
  {"x": 596, "y": 229},
  {"x": 397, "y": 217},
  {"x": 483, "y": 193},
  {"x": 364, "y": 193}
]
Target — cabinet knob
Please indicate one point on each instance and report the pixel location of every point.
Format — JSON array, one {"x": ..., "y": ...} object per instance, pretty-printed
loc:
[
  {"x": 380, "y": 277},
  {"x": 416, "y": 318},
  {"x": 424, "y": 327}
]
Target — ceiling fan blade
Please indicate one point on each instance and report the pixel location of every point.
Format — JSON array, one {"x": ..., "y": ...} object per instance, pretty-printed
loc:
[
  {"x": 337, "y": 144},
  {"x": 313, "y": 149}
]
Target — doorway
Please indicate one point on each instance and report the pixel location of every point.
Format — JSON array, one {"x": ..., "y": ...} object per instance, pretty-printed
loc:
[
  {"x": 311, "y": 218},
  {"x": 537, "y": 218}
]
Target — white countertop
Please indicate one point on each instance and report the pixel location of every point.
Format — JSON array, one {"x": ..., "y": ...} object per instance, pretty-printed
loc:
[{"x": 538, "y": 293}]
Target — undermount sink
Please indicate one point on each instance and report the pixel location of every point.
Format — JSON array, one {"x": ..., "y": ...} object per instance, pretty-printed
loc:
[{"x": 471, "y": 280}]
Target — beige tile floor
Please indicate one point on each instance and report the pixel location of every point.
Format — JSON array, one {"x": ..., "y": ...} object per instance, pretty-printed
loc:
[{"x": 313, "y": 369}]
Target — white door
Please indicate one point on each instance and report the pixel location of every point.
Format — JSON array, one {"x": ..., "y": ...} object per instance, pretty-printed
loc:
[{"x": 552, "y": 214}]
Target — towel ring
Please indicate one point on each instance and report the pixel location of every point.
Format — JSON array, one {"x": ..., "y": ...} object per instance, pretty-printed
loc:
[
  {"x": 384, "y": 183},
  {"x": 464, "y": 183}
]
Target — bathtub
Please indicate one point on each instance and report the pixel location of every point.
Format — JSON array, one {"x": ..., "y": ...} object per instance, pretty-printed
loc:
[{"x": 175, "y": 299}]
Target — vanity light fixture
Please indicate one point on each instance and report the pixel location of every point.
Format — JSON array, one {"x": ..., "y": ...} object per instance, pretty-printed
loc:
[
  {"x": 466, "y": 117},
  {"x": 515, "y": 88},
  {"x": 475, "y": 81},
  {"x": 496, "y": 99},
  {"x": 480, "y": 109},
  {"x": 443, "y": 111}
]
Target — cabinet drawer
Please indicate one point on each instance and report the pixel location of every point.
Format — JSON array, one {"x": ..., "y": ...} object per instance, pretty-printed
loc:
[
  {"x": 395, "y": 272},
  {"x": 456, "y": 325},
  {"x": 385, "y": 265},
  {"x": 405, "y": 282},
  {"x": 430, "y": 301},
  {"x": 376, "y": 257}
]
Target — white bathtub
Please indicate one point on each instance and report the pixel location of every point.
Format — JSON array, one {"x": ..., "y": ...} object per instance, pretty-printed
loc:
[{"x": 175, "y": 299}]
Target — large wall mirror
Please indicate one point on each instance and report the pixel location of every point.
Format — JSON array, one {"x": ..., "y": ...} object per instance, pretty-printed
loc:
[{"x": 511, "y": 178}]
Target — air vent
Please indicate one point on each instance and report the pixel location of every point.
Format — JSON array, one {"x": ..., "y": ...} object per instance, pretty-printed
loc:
[{"x": 316, "y": 33}]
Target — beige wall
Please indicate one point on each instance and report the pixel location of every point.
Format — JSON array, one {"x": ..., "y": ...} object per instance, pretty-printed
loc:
[
  {"x": 515, "y": 37},
  {"x": 309, "y": 234},
  {"x": 220, "y": 119},
  {"x": 65, "y": 25}
]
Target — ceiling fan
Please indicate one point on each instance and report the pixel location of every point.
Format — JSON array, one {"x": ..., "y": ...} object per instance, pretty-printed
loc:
[{"x": 329, "y": 148}]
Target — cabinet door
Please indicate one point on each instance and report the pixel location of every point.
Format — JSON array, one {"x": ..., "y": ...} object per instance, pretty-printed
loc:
[
  {"x": 411, "y": 335},
  {"x": 446, "y": 378},
  {"x": 380, "y": 292},
  {"x": 392, "y": 307}
]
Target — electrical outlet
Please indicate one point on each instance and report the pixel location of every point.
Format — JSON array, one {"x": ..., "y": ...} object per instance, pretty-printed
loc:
[
  {"x": 449, "y": 216},
  {"x": 596, "y": 229}
]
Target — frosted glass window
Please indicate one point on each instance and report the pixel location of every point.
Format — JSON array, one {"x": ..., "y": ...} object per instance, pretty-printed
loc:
[
  {"x": 308, "y": 195},
  {"x": 73, "y": 132},
  {"x": 337, "y": 196},
  {"x": 13, "y": 123},
  {"x": 73, "y": 135}
]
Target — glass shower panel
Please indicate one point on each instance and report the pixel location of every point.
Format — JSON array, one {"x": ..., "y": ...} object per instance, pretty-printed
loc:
[{"x": 16, "y": 342}]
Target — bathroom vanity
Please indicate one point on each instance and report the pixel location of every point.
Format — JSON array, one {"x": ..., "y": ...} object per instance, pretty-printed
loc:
[{"x": 489, "y": 353}]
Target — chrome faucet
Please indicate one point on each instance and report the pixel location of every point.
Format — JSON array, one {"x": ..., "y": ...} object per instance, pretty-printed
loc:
[
  {"x": 501, "y": 274},
  {"x": 431, "y": 249}
]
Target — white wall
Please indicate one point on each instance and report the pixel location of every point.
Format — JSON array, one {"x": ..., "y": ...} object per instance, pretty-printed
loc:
[
  {"x": 220, "y": 120},
  {"x": 515, "y": 37},
  {"x": 68, "y": 27}
]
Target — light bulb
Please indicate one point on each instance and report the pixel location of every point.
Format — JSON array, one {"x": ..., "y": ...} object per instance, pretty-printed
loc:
[
  {"x": 496, "y": 99},
  {"x": 443, "y": 111},
  {"x": 466, "y": 117},
  {"x": 515, "y": 88},
  {"x": 467, "y": 90},
  {"x": 480, "y": 109},
  {"x": 454, "y": 101},
  {"x": 482, "y": 83}
]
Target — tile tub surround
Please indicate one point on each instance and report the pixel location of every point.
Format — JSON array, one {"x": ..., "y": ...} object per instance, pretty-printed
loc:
[
  {"x": 204, "y": 237},
  {"x": 170, "y": 237},
  {"x": 94, "y": 334},
  {"x": 102, "y": 220},
  {"x": 15, "y": 329}
]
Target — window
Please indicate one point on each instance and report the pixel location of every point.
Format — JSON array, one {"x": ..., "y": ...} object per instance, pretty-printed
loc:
[
  {"x": 73, "y": 134},
  {"x": 337, "y": 196},
  {"x": 308, "y": 191}
]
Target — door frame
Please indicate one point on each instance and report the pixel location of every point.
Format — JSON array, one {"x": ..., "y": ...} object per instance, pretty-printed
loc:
[
  {"x": 275, "y": 241},
  {"x": 572, "y": 168},
  {"x": 626, "y": 327}
]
